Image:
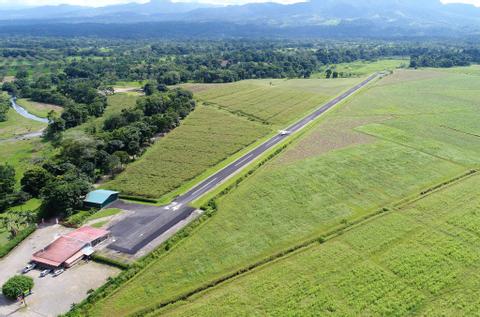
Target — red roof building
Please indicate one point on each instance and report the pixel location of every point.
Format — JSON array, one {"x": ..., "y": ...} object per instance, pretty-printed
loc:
[{"x": 70, "y": 248}]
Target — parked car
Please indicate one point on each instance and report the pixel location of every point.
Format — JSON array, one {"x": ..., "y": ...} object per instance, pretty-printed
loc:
[
  {"x": 28, "y": 268},
  {"x": 58, "y": 272},
  {"x": 45, "y": 272}
]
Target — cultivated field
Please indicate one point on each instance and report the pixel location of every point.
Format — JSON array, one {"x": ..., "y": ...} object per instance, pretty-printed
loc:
[
  {"x": 421, "y": 260},
  {"x": 203, "y": 140},
  {"x": 309, "y": 191},
  {"x": 276, "y": 101}
]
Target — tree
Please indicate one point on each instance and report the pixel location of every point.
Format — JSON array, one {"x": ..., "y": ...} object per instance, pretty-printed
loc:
[
  {"x": 64, "y": 194},
  {"x": 4, "y": 107},
  {"x": 149, "y": 88},
  {"x": 328, "y": 73},
  {"x": 7, "y": 180},
  {"x": 34, "y": 180},
  {"x": 17, "y": 286}
]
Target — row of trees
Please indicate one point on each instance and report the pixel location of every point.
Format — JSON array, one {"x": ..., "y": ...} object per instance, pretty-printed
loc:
[
  {"x": 4, "y": 106},
  {"x": 62, "y": 181}
]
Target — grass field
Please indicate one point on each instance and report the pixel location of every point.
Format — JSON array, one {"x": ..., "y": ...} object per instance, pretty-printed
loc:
[
  {"x": 38, "y": 109},
  {"x": 21, "y": 154},
  {"x": 364, "y": 68},
  {"x": 319, "y": 185},
  {"x": 16, "y": 125},
  {"x": 422, "y": 261},
  {"x": 203, "y": 140},
  {"x": 276, "y": 101}
]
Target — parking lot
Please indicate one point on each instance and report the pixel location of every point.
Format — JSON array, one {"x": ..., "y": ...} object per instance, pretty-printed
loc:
[{"x": 51, "y": 295}]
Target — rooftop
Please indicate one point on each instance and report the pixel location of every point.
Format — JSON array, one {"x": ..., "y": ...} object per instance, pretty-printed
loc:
[
  {"x": 99, "y": 196},
  {"x": 68, "y": 245}
]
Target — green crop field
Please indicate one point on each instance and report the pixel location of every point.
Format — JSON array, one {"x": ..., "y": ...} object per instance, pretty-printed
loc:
[
  {"x": 276, "y": 101},
  {"x": 39, "y": 109},
  {"x": 338, "y": 172},
  {"x": 203, "y": 140},
  {"x": 422, "y": 260}
]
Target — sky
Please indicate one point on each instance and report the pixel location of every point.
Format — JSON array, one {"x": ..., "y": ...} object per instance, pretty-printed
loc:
[{"x": 97, "y": 3}]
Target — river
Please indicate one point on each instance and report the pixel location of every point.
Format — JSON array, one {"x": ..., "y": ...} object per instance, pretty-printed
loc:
[{"x": 24, "y": 113}]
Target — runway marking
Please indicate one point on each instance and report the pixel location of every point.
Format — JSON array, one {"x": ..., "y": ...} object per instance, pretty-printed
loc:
[
  {"x": 243, "y": 160},
  {"x": 271, "y": 141},
  {"x": 201, "y": 188}
]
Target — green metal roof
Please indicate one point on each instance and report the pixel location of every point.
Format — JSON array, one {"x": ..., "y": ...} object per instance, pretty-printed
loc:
[{"x": 99, "y": 196}]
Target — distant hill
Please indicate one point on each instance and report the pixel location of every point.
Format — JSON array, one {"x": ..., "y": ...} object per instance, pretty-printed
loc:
[{"x": 370, "y": 18}]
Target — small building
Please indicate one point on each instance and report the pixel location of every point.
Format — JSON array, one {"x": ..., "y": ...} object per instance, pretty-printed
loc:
[
  {"x": 100, "y": 198},
  {"x": 69, "y": 249}
]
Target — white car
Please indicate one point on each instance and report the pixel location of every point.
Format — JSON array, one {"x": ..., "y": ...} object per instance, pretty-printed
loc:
[
  {"x": 58, "y": 272},
  {"x": 285, "y": 132},
  {"x": 28, "y": 268},
  {"x": 45, "y": 272}
]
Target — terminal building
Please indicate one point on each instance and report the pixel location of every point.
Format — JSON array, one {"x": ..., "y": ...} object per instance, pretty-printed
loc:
[{"x": 69, "y": 249}]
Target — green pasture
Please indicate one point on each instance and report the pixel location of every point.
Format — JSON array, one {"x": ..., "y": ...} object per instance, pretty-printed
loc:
[
  {"x": 21, "y": 154},
  {"x": 38, "y": 109},
  {"x": 16, "y": 125},
  {"x": 343, "y": 173}
]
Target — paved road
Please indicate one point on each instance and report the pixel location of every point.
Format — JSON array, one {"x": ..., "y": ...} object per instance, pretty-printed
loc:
[{"x": 131, "y": 237}]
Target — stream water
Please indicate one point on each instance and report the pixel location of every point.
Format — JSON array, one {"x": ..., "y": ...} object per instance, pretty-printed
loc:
[{"x": 24, "y": 113}]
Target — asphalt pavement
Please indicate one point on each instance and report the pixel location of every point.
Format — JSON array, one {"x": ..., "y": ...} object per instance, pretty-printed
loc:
[{"x": 150, "y": 222}]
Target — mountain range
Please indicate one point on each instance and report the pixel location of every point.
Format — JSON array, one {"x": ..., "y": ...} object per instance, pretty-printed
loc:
[{"x": 388, "y": 17}]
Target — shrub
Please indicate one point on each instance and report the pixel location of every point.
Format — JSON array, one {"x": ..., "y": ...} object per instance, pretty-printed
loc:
[{"x": 17, "y": 286}]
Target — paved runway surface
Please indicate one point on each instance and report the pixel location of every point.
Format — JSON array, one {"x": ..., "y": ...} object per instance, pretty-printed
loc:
[{"x": 149, "y": 222}]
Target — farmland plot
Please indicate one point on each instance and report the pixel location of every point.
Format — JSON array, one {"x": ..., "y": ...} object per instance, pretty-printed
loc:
[
  {"x": 399, "y": 264},
  {"x": 276, "y": 101},
  {"x": 203, "y": 140},
  {"x": 296, "y": 197}
]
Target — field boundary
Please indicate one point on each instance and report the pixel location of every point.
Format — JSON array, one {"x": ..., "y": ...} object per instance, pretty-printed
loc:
[{"x": 305, "y": 244}]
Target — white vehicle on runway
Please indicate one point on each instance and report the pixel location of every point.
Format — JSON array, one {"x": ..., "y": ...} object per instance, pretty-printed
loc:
[{"x": 284, "y": 132}]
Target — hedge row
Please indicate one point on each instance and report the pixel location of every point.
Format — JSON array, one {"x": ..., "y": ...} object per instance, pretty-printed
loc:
[
  {"x": 138, "y": 198},
  {"x": 6, "y": 248},
  {"x": 104, "y": 260}
]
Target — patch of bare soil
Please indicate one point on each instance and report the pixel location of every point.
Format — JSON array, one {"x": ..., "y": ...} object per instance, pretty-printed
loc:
[
  {"x": 7, "y": 79},
  {"x": 196, "y": 88},
  {"x": 127, "y": 89},
  {"x": 337, "y": 134},
  {"x": 45, "y": 106},
  {"x": 403, "y": 75}
]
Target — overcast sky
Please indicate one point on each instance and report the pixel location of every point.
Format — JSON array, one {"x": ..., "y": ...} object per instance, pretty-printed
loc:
[{"x": 12, "y": 3}]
